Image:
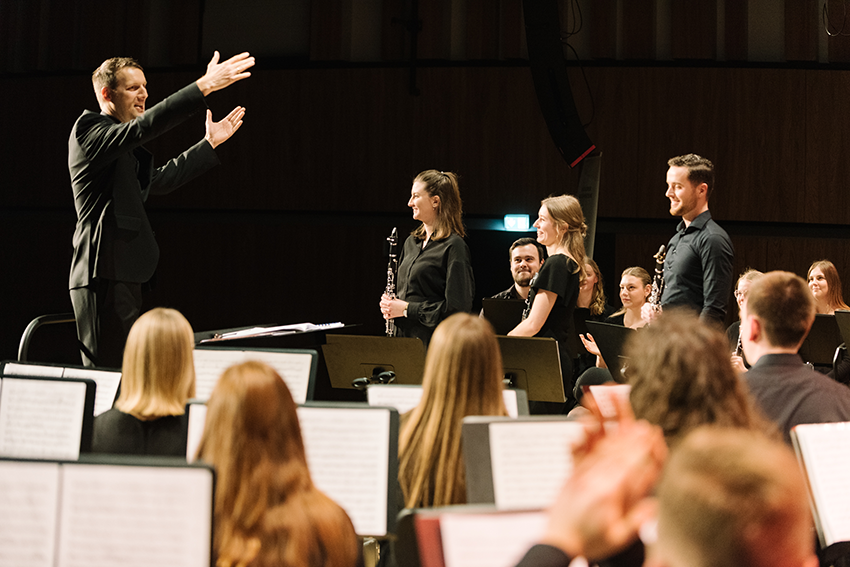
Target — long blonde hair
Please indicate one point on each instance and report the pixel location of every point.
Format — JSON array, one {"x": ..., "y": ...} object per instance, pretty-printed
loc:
[
  {"x": 267, "y": 510},
  {"x": 565, "y": 210},
  {"x": 463, "y": 376},
  {"x": 158, "y": 372}
]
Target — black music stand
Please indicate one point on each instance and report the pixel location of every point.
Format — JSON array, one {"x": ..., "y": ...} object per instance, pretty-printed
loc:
[
  {"x": 503, "y": 314},
  {"x": 842, "y": 319},
  {"x": 533, "y": 364},
  {"x": 611, "y": 339},
  {"x": 818, "y": 348},
  {"x": 349, "y": 357}
]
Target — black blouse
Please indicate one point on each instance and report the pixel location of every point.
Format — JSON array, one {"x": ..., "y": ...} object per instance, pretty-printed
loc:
[
  {"x": 436, "y": 281},
  {"x": 120, "y": 433}
]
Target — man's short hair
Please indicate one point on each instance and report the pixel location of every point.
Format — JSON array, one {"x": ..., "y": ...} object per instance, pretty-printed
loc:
[
  {"x": 107, "y": 74},
  {"x": 784, "y": 305},
  {"x": 525, "y": 241},
  {"x": 731, "y": 498},
  {"x": 700, "y": 170}
]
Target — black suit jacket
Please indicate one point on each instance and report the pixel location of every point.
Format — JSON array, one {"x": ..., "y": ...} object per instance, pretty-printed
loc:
[
  {"x": 791, "y": 393},
  {"x": 112, "y": 176}
]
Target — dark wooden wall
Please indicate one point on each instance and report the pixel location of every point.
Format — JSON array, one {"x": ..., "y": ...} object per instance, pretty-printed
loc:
[{"x": 290, "y": 227}]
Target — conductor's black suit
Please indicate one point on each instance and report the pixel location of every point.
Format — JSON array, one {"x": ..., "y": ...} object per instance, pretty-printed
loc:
[{"x": 114, "y": 246}]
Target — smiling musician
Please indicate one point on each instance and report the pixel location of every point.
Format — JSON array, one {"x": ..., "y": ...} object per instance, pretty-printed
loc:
[
  {"x": 434, "y": 273},
  {"x": 698, "y": 264}
]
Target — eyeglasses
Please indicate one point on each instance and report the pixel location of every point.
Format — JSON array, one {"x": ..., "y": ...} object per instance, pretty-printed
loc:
[{"x": 740, "y": 294}]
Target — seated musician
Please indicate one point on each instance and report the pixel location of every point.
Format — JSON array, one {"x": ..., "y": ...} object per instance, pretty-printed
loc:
[
  {"x": 733, "y": 333},
  {"x": 526, "y": 255},
  {"x": 267, "y": 509},
  {"x": 463, "y": 376},
  {"x": 158, "y": 377},
  {"x": 635, "y": 287},
  {"x": 775, "y": 319},
  {"x": 682, "y": 378},
  {"x": 825, "y": 285}
]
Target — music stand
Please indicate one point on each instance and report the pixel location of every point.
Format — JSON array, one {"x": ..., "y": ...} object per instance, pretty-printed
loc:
[
  {"x": 819, "y": 346},
  {"x": 29, "y": 400},
  {"x": 611, "y": 339},
  {"x": 842, "y": 319},
  {"x": 533, "y": 364},
  {"x": 352, "y": 356},
  {"x": 503, "y": 314}
]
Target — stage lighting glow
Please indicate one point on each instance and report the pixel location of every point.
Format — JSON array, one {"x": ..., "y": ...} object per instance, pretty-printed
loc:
[{"x": 516, "y": 223}]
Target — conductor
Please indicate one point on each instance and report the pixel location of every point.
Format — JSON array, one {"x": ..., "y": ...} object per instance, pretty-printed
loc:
[{"x": 112, "y": 175}]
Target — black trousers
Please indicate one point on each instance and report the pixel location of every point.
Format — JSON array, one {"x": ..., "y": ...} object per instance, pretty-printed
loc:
[{"x": 105, "y": 311}]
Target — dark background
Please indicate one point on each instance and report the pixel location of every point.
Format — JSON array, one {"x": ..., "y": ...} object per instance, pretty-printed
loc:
[{"x": 291, "y": 226}]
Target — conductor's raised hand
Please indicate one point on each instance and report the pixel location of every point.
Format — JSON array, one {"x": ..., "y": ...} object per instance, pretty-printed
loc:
[
  {"x": 224, "y": 74},
  {"x": 219, "y": 132}
]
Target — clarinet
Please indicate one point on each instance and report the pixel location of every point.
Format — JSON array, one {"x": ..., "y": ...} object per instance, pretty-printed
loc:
[
  {"x": 392, "y": 267},
  {"x": 658, "y": 279}
]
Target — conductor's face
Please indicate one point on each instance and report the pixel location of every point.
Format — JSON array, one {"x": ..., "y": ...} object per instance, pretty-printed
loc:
[{"x": 127, "y": 101}]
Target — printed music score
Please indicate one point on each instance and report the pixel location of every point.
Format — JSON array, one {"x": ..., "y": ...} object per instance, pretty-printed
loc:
[
  {"x": 41, "y": 418},
  {"x": 531, "y": 460},
  {"x": 348, "y": 456}
]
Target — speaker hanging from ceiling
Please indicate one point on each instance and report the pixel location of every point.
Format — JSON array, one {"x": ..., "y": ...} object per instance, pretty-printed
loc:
[{"x": 551, "y": 83}]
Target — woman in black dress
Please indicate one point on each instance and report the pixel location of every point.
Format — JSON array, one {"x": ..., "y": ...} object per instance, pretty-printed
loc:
[
  {"x": 435, "y": 273},
  {"x": 554, "y": 290}
]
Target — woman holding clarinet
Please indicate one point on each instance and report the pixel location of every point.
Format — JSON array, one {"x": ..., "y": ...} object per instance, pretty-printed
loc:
[{"x": 434, "y": 277}]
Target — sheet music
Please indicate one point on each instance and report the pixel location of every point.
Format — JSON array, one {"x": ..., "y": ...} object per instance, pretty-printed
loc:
[
  {"x": 404, "y": 398},
  {"x": 135, "y": 516},
  {"x": 604, "y": 396},
  {"x": 511, "y": 402},
  {"x": 489, "y": 540},
  {"x": 401, "y": 397},
  {"x": 107, "y": 381},
  {"x": 531, "y": 460},
  {"x": 826, "y": 455},
  {"x": 41, "y": 418},
  {"x": 197, "y": 419},
  {"x": 15, "y": 369},
  {"x": 28, "y": 501},
  {"x": 293, "y": 367},
  {"x": 348, "y": 455},
  {"x": 107, "y": 385}
]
